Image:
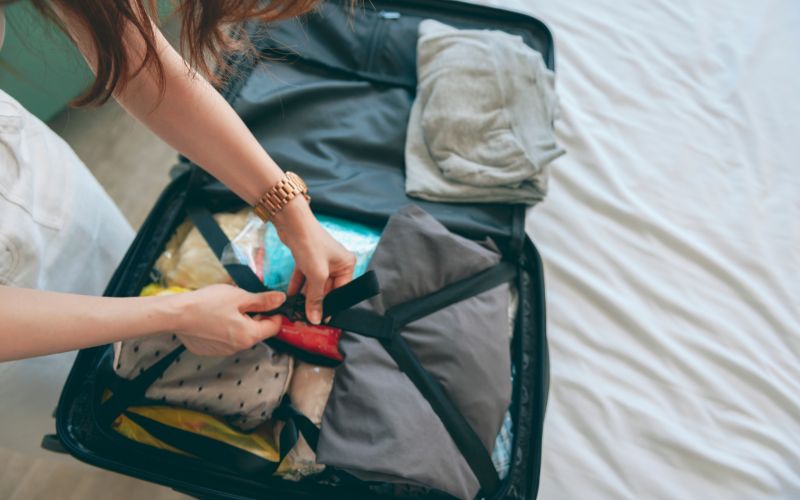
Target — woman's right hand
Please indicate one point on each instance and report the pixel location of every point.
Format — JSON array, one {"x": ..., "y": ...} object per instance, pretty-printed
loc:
[{"x": 212, "y": 321}]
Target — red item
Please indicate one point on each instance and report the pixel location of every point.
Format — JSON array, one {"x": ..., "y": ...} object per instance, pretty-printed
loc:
[{"x": 317, "y": 339}]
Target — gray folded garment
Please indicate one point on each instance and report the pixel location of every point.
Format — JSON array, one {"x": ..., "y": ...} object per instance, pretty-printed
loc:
[
  {"x": 377, "y": 425},
  {"x": 481, "y": 127}
]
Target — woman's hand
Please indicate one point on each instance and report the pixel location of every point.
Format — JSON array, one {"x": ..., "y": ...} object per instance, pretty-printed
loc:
[
  {"x": 322, "y": 264},
  {"x": 212, "y": 321}
]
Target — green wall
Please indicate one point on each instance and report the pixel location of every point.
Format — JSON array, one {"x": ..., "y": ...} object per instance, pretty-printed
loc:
[{"x": 39, "y": 66}]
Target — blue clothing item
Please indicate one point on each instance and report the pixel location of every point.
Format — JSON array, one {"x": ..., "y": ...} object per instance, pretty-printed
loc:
[
  {"x": 503, "y": 445},
  {"x": 355, "y": 237}
]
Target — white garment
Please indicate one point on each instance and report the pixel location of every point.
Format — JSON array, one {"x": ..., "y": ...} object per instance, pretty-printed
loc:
[{"x": 58, "y": 229}]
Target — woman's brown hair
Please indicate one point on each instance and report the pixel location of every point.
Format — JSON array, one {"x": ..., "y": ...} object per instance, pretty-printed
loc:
[{"x": 204, "y": 32}]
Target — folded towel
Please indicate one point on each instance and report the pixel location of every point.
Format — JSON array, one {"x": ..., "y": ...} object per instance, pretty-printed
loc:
[{"x": 481, "y": 127}]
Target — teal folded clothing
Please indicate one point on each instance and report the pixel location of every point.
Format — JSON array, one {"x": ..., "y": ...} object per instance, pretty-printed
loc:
[{"x": 357, "y": 238}]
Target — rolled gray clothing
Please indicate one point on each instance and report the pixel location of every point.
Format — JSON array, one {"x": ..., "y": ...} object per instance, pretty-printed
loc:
[
  {"x": 481, "y": 126},
  {"x": 377, "y": 425}
]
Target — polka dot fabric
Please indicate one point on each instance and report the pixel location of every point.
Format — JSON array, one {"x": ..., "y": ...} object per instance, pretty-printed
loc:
[{"x": 244, "y": 388}]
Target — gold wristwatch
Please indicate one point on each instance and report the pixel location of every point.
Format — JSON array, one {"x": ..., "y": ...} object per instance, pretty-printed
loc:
[{"x": 279, "y": 195}]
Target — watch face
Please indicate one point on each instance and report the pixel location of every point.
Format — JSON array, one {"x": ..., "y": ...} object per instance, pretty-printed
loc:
[{"x": 297, "y": 180}]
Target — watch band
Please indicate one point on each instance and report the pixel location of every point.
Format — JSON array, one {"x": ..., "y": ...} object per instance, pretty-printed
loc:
[{"x": 279, "y": 195}]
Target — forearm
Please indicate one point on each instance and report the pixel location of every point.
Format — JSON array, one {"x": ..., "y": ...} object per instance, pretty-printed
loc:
[
  {"x": 194, "y": 119},
  {"x": 34, "y": 322}
]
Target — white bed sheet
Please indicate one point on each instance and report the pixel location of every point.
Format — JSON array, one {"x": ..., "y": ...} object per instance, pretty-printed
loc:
[{"x": 671, "y": 242}]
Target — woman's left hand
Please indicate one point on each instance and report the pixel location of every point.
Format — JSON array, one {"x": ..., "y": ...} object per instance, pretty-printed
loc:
[{"x": 321, "y": 263}]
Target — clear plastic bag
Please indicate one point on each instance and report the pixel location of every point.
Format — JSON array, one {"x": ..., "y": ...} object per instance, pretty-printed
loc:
[
  {"x": 247, "y": 246},
  {"x": 258, "y": 246}
]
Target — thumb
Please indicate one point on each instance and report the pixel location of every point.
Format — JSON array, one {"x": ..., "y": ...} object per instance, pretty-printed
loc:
[
  {"x": 265, "y": 301},
  {"x": 267, "y": 327}
]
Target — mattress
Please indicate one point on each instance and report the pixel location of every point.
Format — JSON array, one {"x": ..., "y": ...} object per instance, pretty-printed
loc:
[{"x": 671, "y": 242}]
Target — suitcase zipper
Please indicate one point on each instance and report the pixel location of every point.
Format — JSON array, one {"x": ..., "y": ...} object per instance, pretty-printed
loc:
[{"x": 385, "y": 14}]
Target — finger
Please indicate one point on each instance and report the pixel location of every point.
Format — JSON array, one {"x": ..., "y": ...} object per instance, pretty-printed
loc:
[
  {"x": 315, "y": 292},
  {"x": 262, "y": 302},
  {"x": 266, "y": 328},
  {"x": 342, "y": 279},
  {"x": 345, "y": 274},
  {"x": 296, "y": 282}
]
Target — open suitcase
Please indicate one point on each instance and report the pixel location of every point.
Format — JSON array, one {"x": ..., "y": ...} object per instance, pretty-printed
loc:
[{"x": 330, "y": 101}]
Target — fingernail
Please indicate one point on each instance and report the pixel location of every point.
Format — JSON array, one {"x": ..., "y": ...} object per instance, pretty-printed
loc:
[
  {"x": 278, "y": 298},
  {"x": 315, "y": 317}
]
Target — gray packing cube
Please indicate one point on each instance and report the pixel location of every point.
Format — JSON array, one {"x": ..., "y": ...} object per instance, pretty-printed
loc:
[
  {"x": 377, "y": 425},
  {"x": 329, "y": 98}
]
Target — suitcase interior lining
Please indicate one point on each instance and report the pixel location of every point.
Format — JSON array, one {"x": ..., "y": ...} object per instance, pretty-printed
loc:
[
  {"x": 313, "y": 102},
  {"x": 96, "y": 440}
]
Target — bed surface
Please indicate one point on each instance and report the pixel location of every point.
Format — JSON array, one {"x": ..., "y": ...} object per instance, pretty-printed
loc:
[{"x": 671, "y": 241}]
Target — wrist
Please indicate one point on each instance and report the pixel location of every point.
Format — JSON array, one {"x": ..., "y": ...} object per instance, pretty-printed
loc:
[
  {"x": 295, "y": 222},
  {"x": 169, "y": 312},
  {"x": 277, "y": 198}
]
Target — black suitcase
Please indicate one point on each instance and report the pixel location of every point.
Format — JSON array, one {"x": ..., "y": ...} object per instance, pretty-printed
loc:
[{"x": 329, "y": 100}]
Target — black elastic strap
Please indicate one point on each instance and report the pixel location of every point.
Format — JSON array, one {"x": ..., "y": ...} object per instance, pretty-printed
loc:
[
  {"x": 288, "y": 438},
  {"x": 453, "y": 293},
  {"x": 366, "y": 323},
  {"x": 209, "y": 449},
  {"x": 464, "y": 437},
  {"x": 339, "y": 299},
  {"x": 383, "y": 327},
  {"x": 296, "y": 424},
  {"x": 355, "y": 292},
  {"x": 129, "y": 391}
]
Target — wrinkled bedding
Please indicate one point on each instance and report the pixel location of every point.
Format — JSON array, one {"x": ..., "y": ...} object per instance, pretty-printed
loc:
[{"x": 671, "y": 242}]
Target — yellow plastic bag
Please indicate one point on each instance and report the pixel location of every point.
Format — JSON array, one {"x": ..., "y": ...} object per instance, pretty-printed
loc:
[
  {"x": 259, "y": 442},
  {"x": 154, "y": 289},
  {"x": 132, "y": 431}
]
